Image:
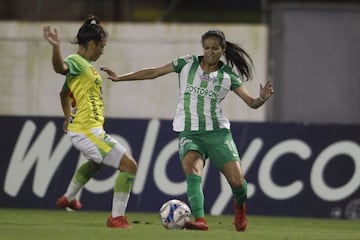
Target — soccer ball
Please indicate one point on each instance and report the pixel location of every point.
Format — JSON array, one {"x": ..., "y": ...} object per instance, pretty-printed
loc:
[{"x": 174, "y": 214}]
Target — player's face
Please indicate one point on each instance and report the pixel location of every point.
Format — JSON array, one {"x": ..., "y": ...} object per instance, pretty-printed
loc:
[
  {"x": 212, "y": 50},
  {"x": 98, "y": 49}
]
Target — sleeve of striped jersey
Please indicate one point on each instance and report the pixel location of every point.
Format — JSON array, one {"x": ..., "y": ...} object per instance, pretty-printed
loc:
[
  {"x": 180, "y": 62},
  {"x": 235, "y": 81}
]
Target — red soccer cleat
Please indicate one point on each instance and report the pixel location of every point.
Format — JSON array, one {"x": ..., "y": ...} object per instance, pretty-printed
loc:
[
  {"x": 199, "y": 224},
  {"x": 63, "y": 202},
  {"x": 240, "y": 216},
  {"x": 118, "y": 222}
]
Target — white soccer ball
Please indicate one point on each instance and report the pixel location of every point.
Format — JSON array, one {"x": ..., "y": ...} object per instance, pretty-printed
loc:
[{"x": 174, "y": 214}]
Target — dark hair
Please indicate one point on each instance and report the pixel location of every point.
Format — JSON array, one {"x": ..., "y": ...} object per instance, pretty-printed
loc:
[
  {"x": 234, "y": 54},
  {"x": 90, "y": 30}
]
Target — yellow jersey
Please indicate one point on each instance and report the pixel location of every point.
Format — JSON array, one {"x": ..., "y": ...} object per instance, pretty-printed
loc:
[{"x": 85, "y": 91}]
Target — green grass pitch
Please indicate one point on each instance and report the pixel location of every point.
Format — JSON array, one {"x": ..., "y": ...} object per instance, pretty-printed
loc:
[{"x": 88, "y": 225}]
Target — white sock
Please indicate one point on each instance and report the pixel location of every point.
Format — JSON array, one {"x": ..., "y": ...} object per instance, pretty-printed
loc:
[
  {"x": 72, "y": 190},
  {"x": 120, "y": 201}
]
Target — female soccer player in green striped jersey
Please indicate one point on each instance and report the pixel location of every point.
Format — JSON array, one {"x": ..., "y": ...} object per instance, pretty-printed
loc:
[
  {"x": 204, "y": 133},
  {"x": 82, "y": 103}
]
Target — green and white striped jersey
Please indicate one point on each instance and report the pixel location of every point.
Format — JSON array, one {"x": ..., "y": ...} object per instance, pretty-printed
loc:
[{"x": 199, "y": 107}]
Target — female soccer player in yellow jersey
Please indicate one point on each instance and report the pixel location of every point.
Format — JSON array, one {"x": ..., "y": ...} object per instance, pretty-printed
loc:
[
  {"x": 204, "y": 133},
  {"x": 82, "y": 103}
]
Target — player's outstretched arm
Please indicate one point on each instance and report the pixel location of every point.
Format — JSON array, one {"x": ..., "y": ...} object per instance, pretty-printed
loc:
[
  {"x": 143, "y": 74},
  {"x": 57, "y": 61}
]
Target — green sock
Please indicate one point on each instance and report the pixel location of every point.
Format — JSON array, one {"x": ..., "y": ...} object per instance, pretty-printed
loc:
[
  {"x": 85, "y": 172},
  {"x": 195, "y": 195},
  {"x": 123, "y": 182},
  {"x": 122, "y": 189},
  {"x": 240, "y": 194}
]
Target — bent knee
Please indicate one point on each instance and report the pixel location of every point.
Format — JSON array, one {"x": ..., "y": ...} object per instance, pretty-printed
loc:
[
  {"x": 193, "y": 167},
  {"x": 95, "y": 166},
  {"x": 128, "y": 164}
]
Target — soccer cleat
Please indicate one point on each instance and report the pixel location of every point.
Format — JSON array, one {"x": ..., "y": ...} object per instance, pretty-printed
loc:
[
  {"x": 240, "y": 216},
  {"x": 63, "y": 202},
  {"x": 199, "y": 224},
  {"x": 118, "y": 222}
]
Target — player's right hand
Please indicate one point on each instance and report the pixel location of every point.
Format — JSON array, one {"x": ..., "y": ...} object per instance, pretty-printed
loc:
[
  {"x": 51, "y": 36},
  {"x": 111, "y": 74}
]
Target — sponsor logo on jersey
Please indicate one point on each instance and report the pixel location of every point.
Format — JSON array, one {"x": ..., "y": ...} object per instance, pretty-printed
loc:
[{"x": 202, "y": 91}]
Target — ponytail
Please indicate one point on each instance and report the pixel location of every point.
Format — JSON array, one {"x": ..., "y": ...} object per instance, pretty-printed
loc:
[
  {"x": 91, "y": 30},
  {"x": 234, "y": 54},
  {"x": 237, "y": 56}
]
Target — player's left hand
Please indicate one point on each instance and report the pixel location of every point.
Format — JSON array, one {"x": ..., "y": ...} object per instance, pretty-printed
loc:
[{"x": 267, "y": 90}]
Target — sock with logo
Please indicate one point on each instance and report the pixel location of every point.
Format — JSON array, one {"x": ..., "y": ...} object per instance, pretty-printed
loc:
[
  {"x": 195, "y": 195},
  {"x": 122, "y": 189}
]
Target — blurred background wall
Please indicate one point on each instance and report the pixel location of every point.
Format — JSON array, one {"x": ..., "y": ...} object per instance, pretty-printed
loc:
[
  {"x": 308, "y": 48},
  {"x": 30, "y": 86},
  {"x": 314, "y": 61}
]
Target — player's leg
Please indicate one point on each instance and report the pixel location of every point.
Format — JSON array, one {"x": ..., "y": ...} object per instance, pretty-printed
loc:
[
  {"x": 193, "y": 164},
  {"x": 234, "y": 175},
  {"x": 224, "y": 155},
  {"x": 82, "y": 175},
  {"x": 126, "y": 165},
  {"x": 85, "y": 143}
]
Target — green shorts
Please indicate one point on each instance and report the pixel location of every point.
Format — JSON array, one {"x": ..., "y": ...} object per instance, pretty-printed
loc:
[{"x": 217, "y": 145}]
